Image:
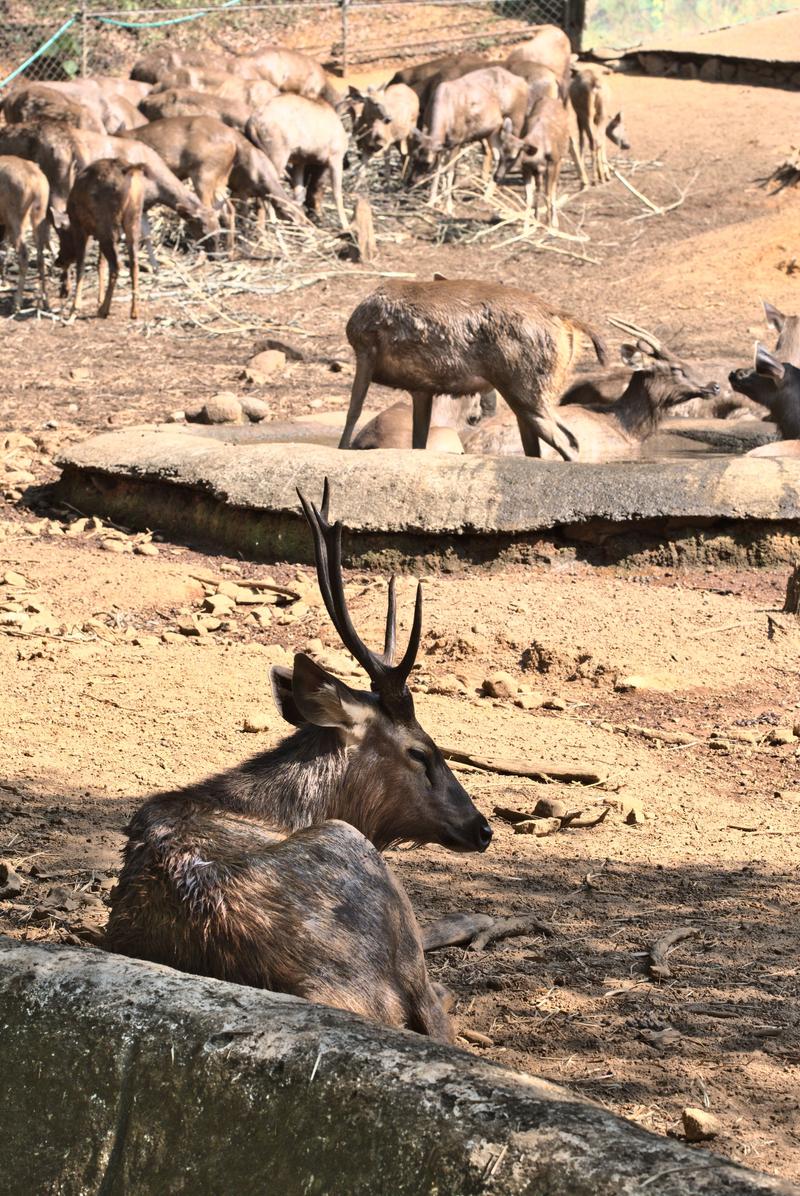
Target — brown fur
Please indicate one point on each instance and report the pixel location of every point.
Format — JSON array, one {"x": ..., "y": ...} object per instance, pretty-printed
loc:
[
  {"x": 38, "y": 101},
  {"x": 450, "y": 420},
  {"x": 24, "y": 200},
  {"x": 774, "y": 384},
  {"x": 50, "y": 144},
  {"x": 459, "y": 337},
  {"x": 387, "y": 119},
  {"x": 610, "y": 433},
  {"x": 222, "y": 84},
  {"x": 307, "y": 139},
  {"x": 548, "y": 46},
  {"x": 598, "y": 118},
  {"x": 107, "y": 198},
  {"x": 182, "y": 101},
  {"x": 539, "y": 155},
  {"x": 270, "y": 874}
]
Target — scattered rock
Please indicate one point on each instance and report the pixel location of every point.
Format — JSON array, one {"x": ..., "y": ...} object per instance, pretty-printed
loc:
[
  {"x": 255, "y": 409},
  {"x": 145, "y": 641},
  {"x": 500, "y": 685},
  {"x": 262, "y": 615},
  {"x": 222, "y": 408},
  {"x": 190, "y": 626},
  {"x": 657, "y": 682},
  {"x": 632, "y": 811},
  {"x": 264, "y": 366},
  {"x": 658, "y": 736},
  {"x": 660, "y": 1038},
  {"x": 449, "y": 685},
  {"x": 788, "y": 794},
  {"x": 699, "y": 1125},
  {"x": 256, "y": 722},
  {"x": 10, "y": 881},
  {"x": 554, "y": 703},
  {"x": 15, "y": 580},
  {"x": 114, "y": 546},
  {"x": 538, "y": 827},
  {"x": 739, "y": 735},
  {"x": 172, "y": 637},
  {"x": 550, "y": 807},
  {"x": 219, "y": 604},
  {"x": 779, "y": 736},
  {"x": 146, "y": 549}
]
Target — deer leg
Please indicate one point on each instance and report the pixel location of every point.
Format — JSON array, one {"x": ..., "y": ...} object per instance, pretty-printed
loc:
[
  {"x": 361, "y": 381},
  {"x": 577, "y": 158},
  {"x": 336, "y": 187},
  {"x": 133, "y": 265},
  {"x": 530, "y": 191},
  {"x": 552, "y": 192},
  {"x": 421, "y": 419},
  {"x": 108, "y": 251},
  {"x": 80, "y": 266},
  {"x": 437, "y": 174},
  {"x": 42, "y": 241},
  {"x": 22, "y": 259},
  {"x": 148, "y": 243}
]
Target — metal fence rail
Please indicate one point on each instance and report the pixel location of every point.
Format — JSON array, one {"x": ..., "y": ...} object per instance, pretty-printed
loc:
[{"x": 47, "y": 39}]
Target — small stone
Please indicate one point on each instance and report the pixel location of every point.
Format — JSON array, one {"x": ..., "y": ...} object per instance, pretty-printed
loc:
[
  {"x": 15, "y": 580},
  {"x": 219, "y": 604},
  {"x": 77, "y": 528},
  {"x": 145, "y": 641},
  {"x": 223, "y": 408},
  {"x": 646, "y": 681},
  {"x": 788, "y": 794},
  {"x": 779, "y": 736},
  {"x": 448, "y": 684},
  {"x": 171, "y": 637},
  {"x": 264, "y": 366},
  {"x": 262, "y": 615},
  {"x": 500, "y": 685},
  {"x": 256, "y": 410},
  {"x": 538, "y": 827},
  {"x": 699, "y": 1124},
  {"x": 146, "y": 549},
  {"x": 796, "y": 730},
  {"x": 255, "y": 722},
  {"x": 190, "y": 627},
  {"x": 738, "y": 735},
  {"x": 228, "y": 589},
  {"x": 550, "y": 807},
  {"x": 208, "y": 623},
  {"x": 10, "y": 881},
  {"x": 113, "y": 546},
  {"x": 554, "y": 703},
  {"x": 632, "y": 811},
  {"x": 79, "y": 373}
]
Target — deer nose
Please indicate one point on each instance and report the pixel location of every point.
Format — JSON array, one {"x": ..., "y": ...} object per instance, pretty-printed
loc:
[{"x": 483, "y": 835}]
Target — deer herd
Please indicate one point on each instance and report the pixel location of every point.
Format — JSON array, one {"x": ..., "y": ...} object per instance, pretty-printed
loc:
[{"x": 272, "y": 874}]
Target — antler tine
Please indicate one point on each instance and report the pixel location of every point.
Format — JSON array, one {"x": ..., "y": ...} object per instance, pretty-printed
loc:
[
  {"x": 403, "y": 669},
  {"x": 328, "y": 553},
  {"x": 635, "y": 331},
  {"x": 390, "y": 637}
]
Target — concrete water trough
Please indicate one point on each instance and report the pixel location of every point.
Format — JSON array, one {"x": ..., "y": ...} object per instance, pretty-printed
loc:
[
  {"x": 234, "y": 488},
  {"x": 130, "y": 1079}
]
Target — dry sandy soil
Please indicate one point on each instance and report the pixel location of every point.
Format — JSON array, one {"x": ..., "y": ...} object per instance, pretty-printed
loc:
[{"x": 111, "y": 703}]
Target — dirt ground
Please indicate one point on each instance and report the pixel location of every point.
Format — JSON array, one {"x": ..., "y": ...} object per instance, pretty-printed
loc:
[{"x": 104, "y": 700}]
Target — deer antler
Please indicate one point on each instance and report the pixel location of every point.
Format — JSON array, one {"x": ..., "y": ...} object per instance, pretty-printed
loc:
[
  {"x": 388, "y": 680},
  {"x": 646, "y": 341}
]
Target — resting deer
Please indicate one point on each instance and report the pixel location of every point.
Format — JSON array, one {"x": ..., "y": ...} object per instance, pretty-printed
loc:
[
  {"x": 271, "y": 874},
  {"x": 775, "y": 384},
  {"x": 459, "y": 337},
  {"x": 613, "y": 431}
]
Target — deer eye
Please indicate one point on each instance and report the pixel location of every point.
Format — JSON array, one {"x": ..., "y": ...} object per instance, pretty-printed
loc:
[{"x": 418, "y": 755}]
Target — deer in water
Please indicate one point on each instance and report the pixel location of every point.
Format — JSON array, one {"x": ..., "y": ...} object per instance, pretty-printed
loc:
[
  {"x": 459, "y": 337},
  {"x": 613, "y": 431},
  {"x": 271, "y": 874},
  {"x": 775, "y": 384}
]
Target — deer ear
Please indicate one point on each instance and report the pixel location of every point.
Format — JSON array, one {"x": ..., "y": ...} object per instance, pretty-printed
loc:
[
  {"x": 767, "y": 365},
  {"x": 284, "y": 696},
  {"x": 776, "y": 319},
  {"x": 630, "y": 355},
  {"x": 324, "y": 700}
]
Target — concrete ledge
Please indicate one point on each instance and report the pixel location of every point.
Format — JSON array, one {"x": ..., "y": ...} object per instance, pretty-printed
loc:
[
  {"x": 127, "y": 1078},
  {"x": 242, "y": 495}
]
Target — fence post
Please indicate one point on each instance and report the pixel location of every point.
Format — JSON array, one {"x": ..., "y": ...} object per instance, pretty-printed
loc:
[
  {"x": 84, "y": 41},
  {"x": 345, "y": 7}
]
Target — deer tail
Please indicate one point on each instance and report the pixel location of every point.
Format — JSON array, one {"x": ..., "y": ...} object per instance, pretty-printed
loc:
[{"x": 598, "y": 343}]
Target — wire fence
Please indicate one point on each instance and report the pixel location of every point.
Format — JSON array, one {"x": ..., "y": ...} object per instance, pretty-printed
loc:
[{"x": 44, "y": 39}]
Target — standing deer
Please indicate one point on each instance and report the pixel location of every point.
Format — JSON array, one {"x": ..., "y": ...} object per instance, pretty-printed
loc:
[
  {"x": 539, "y": 155},
  {"x": 106, "y": 198},
  {"x": 271, "y": 874},
  {"x": 24, "y": 199},
  {"x": 460, "y": 337},
  {"x": 593, "y": 101}
]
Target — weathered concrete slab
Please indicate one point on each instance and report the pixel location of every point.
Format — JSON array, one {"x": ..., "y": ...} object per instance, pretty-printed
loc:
[
  {"x": 130, "y": 1079},
  {"x": 243, "y": 493}
]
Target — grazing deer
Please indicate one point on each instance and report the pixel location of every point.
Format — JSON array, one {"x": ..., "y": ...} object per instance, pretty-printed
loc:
[
  {"x": 106, "y": 198},
  {"x": 24, "y": 199},
  {"x": 539, "y": 154},
  {"x": 612, "y": 431},
  {"x": 271, "y": 874},
  {"x": 459, "y": 337},
  {"x": 385, "y": 118},
  {"x": 593, "y": 101}
]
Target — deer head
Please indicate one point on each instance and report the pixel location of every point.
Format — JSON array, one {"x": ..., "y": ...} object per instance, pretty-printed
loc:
[{"x": 397, "y": 785}]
